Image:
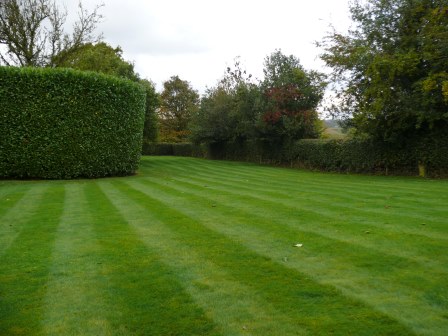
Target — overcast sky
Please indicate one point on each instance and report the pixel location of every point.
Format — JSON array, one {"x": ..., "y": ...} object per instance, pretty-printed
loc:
[{"x": 197, "y": 39}]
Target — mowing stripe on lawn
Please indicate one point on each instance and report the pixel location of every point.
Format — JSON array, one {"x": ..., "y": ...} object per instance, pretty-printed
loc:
[
  {"x": 393, "y": 240},
  {"x": 355, "y": 269},
  {"x": 197, "y": 247},
  {"x": 144, "y": 293},
  {"x": 415, "y": 228},
  {"x": 21, "y": 207},
  {"x": 434, "y": 296},
  {"x": 316, "y": 307},
  {"x": 74, "y": 303},
  {"x": 10, "y": 195},
  {"x": 377, "y": 204},
  {"x": 233, "y": 306},
  {"x": 404, "y": 223},
  {"x": 346, "y": 191},
  {"x": 380, "y": 204},
  {"x": 263, "y": 204},
  {"x": 318, "y": 183},
  {"x": 25, "y": 264},
  {"x": 266, "y": 173}
]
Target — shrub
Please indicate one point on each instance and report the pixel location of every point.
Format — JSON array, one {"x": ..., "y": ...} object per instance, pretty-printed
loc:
[
  {"x": 175, "y": 149},
  {"x": 182, "y": 149},
  {"x": 163, "y": 148},
  {"x": 355, "y": 156},
  {"x": 372, "y": 157},
  {"x": 61, "y": 123},
  {"x": 158, "y": 148},
  {"x": 151, "y": 129}
]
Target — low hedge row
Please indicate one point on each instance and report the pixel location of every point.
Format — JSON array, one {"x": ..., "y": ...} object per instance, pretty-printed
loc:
[
  {"x": 329, "y": 155},
  {"x": 61, "y": 123},
  {"x": 352, "y": 156},
  {"x": 174, "y": 149}
]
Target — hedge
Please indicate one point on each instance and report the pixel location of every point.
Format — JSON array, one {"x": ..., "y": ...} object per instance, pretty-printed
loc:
[
  {"x": 348, "y": 156},
  {"x": 62, "y": 124},
  {"x": 352, "y": 156},
  {"x": 374, "y": 157},
  {"x": 174, "y": 149}
]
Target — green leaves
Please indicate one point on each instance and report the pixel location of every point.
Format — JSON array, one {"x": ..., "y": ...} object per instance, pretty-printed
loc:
[
  {"x": 61, "y": 123},
  {"x": 374, "y": 157},
  {"x": 99, "y": 57},
  {"x": 179, "y": 102},
  {"x": 273, "y": 112},
  {"x": 390, "y": 69}
]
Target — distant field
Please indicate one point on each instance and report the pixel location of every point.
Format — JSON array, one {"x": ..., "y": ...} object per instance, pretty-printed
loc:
[
  {"x": 332, "y": 130},
  {"x": 197, "y": 247},
  {"x": 334, "y": 133}
]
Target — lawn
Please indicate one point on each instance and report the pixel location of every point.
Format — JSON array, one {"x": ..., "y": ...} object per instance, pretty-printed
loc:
[{"x": 197, "y": 247}]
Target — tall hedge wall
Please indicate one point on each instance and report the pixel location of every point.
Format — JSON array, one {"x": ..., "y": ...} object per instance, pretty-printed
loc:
[{"x": 61, "y": 124}]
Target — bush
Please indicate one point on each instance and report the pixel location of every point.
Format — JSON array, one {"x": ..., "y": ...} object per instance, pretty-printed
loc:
[
  {"x": 151, "y": 129},
  {"x": 175, "y": 149},
  {"x": 163, "y": 148},
  {"x": 182, "y": 149},
  {"x": 348, "y": 156},
  {"x": 372, "y": 157},
  {"x": 61, "y": 123}
]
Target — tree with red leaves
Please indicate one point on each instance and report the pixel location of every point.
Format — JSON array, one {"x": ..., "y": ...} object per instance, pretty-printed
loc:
[{"x": 291, "y": 96}]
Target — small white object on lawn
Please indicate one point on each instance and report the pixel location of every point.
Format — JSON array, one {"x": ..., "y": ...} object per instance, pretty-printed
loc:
[{"x": 298, "y": 245}]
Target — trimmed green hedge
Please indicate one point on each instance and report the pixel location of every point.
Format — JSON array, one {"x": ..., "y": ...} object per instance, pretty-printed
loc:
[
  {"x": 373, "y": 157},
  {"x": 353, "y": 156},
  {"x": 173, "y": 149},
  {"x": 62, "y": 123}
]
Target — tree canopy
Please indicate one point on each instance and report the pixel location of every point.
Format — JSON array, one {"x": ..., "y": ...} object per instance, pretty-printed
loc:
[
  {"x": 391, "y": 70},
  {"x": 99, "y": 57},
  {"x": 151, "y": 125},
  {"x": 291, "y": 96},
  {"x": 277, "y": 110},
  {"x": 32, "y": 31},
  {"x": 178, "y": 103}
]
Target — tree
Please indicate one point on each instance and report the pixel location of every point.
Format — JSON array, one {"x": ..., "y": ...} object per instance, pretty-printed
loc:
[
  {"x": 213, "y": 123},
  {"x": 32, "y": 32},
  {"x": 230, "y": 110},
  {"x": 291, "y": 96},
  {"x": 274, "y": 112},
  {"x": 391, "y": 69},
  {"x": 178, "y": 103},
  {"x": 150, "y": 129},
  {"x": 99, "y": 57}
]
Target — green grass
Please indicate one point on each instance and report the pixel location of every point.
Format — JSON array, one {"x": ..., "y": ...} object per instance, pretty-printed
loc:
[{"x": 196, "y": 247}]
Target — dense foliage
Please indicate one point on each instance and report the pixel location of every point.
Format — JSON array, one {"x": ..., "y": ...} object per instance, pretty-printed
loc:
[
  {"x": 61, "y": 123},
  {"x": 178, "y": 103},
  {"x": 365, "y": 156},
  {"x": 391, "y": 68},
  {"x": 272, "y": 113},
  {"x": 291, "y": 95},
  {"x": 99, "y": 57},
  {"x": 105, "y": 59},
  {"x": 348, "y": 156},
  {"x": 174, "y": 149},
  {"x": 151, "y": 125}
]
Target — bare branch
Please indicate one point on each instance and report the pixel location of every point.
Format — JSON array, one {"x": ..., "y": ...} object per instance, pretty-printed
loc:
[
  {"x": 32, "y": 31},
  {"x": 86, "y": 25}
]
